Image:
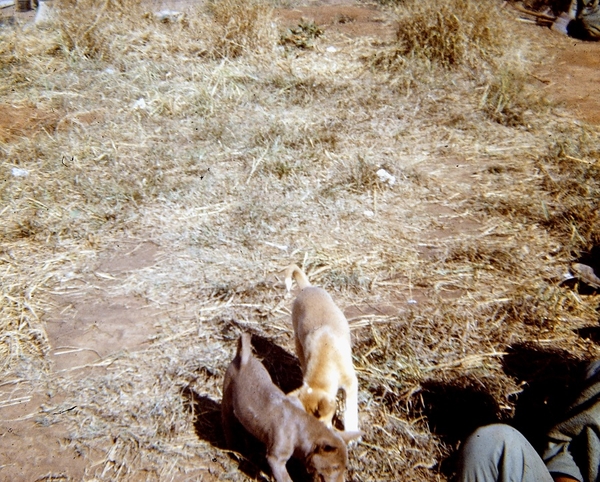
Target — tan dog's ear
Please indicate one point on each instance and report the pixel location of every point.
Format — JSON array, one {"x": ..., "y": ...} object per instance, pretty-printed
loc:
[
  {"x": 348, "y": 437},
  {"x": 325, "y": 407}
]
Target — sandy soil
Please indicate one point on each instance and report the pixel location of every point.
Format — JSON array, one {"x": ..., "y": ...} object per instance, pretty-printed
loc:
[{"x": 32, "y": 451}]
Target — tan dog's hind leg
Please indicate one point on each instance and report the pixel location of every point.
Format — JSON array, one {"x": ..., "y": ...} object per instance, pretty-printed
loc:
[
  {"x": 300, "y": 354},
  {"x": 351, "y": 411}
]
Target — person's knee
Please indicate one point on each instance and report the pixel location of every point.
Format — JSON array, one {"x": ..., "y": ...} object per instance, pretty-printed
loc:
[
  {"x": 490, "y": 442},
  {"x": 483, "y": 452},
  {"x": 495, "y": 434},
  {"x": 498, "y": 431}
]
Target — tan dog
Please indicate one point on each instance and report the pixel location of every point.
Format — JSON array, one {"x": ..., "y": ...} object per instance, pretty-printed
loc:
[
  {"x": 279, "y": 421},
  {"x": 322, "y": 338}
]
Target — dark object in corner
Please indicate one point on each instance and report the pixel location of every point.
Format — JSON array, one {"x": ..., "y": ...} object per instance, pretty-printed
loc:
[{"x": 579, "y": 29}]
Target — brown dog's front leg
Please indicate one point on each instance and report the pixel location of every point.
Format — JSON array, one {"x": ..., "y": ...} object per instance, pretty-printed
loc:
[{"x": 277, "y": 465}]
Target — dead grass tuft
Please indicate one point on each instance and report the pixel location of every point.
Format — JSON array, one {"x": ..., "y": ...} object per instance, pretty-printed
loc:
[
  {"x": 506, "y": 98},
  {"x": 99, "y": 30},
  {"x": 469, "y": 38},
  {"x": 357, "y": 176},
  {"x": 241, "y": 26},
  {"x": 361, "y": 175},
  {"x": 302, "y": 36},
  {"x": 540, "y": 307},
  {"x": 453, "y": 34},
  {"x": 571, "y": 177}
]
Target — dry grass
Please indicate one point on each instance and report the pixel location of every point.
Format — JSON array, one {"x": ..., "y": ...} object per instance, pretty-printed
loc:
[
  {"x": 554, "y": 6},
  {"x": 455, "y": 33},
  {"x": 241, "y": 27},
  {"x": 505, "y": 99},
  {"x": 466, "y": 37},
  {"x": 237, "y": 156},
  {"x": 110, "y": 32}
]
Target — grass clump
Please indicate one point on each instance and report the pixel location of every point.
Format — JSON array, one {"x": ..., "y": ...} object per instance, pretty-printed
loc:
[
  {"x": 113, "y": 30},
  {"x": 99, "y": 30},
  {"x": 361, "y": 176},
  {"x": 357, "y": 176},
  {"x": 504, "y": 100},
  {"x": 352, "y": 280},
  {"x": 571, "y": 178},
  {"x": 463, "y": 38},
  {"x": 302, "y": 36},
  {"x": 241, "y": 26},
  {"x": 23, "y": 340},
  {"x": 453, "y": 33}
]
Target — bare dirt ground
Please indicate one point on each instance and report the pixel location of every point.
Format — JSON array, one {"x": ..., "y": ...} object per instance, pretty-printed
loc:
[
  {"x": 30, "y": 451},
  {"x": 571, "y": 78}
]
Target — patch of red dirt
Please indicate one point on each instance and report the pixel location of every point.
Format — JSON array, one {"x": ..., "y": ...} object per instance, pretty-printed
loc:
[
  {"x": 80, "y": 118},
  {"x": 350, "y": 20},
  {"x": 25, "y": 121},
  {"x": 572, "y": 76},
  {"x": 91, "y": 324},
  {"x": 31, "y": 450},
  {"x": 87, "y": 325}
]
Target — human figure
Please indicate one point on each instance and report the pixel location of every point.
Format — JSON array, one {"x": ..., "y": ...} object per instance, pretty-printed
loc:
[{"x": 500, "y": 453}]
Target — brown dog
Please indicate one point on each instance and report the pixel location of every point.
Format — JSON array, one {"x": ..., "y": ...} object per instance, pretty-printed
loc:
[
  {"x": 279, "y": 421},
  {"x": 322, "y": 338}
]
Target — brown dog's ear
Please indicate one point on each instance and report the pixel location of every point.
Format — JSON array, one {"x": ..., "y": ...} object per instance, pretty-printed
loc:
[{"x": 348, "y": 437}]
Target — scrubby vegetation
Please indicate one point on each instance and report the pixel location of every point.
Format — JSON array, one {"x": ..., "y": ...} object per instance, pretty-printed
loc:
[{"x": 237, "y": 145}]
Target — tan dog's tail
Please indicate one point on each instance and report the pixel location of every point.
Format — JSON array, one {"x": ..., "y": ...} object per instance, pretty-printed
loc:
[
  {"x": 293, "y": 271},
  {"x": 244, "y": 350}
]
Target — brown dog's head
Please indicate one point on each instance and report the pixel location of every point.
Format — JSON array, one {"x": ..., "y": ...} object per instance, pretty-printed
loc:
[
  {"x": 318, "y": 403},
  {"x": 329, "y": 456},
  {"x": 328, "y": 459}
]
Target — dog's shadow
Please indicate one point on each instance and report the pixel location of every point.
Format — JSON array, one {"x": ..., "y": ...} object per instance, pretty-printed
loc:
[
  {"x": 283, "y": 367},
  {"x": 286, "y": 374}
]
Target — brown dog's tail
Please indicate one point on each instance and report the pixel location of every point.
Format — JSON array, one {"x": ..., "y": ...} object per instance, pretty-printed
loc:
[
  {"x": 244, "y": 350},
  {"x": 293, "y": 271}
]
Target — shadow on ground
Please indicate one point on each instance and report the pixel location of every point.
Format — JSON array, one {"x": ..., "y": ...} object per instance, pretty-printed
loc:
[
  {"x": 454, "y": 409},
  {"x": 283, "y": 367},
  {"x": 551, "y": 379}
]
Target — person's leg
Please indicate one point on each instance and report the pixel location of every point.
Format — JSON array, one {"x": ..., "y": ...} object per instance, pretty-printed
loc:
[{"x": 500, "y": 453}]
